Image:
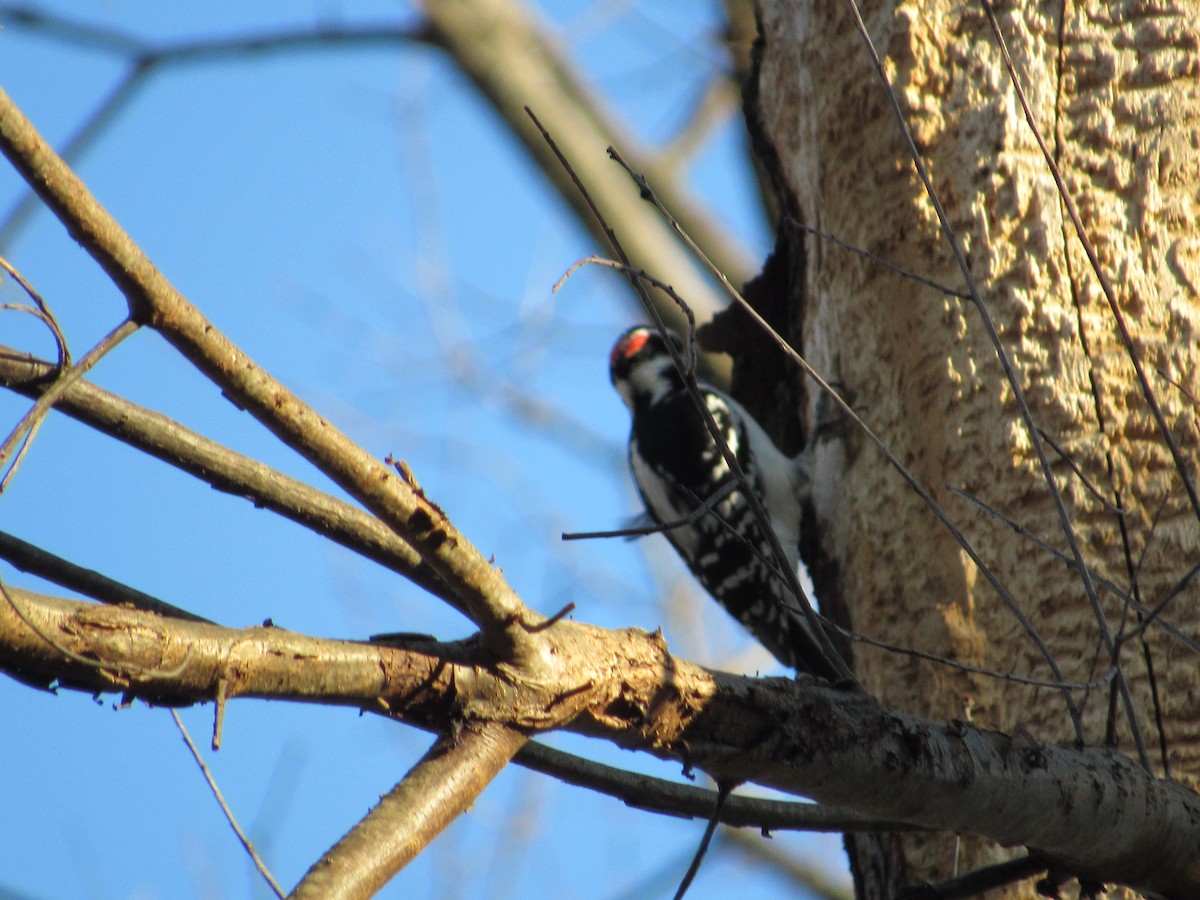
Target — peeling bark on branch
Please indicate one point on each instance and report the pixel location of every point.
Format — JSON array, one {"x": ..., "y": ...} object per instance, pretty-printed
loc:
[{"x": 1091, "y": 811}]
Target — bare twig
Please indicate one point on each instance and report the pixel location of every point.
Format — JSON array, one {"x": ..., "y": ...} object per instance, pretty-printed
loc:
[
  {"x": 37, "y": 561},
  {"x": 1057, "y": 684},
  {"x": 705, "y": 507},
  {"x": 1179, "y": 387},
  {"x": 1153, "y": 615},
  {"x": 43, "y": 312},
  {"x": 874, "y": 259},
  {"x": 24, "y": 430},
  {"x": 1083, "y": 479},
  {"x": 671, "y": 798},
  {"x": 225, "y": 810},
  {"x": 713, "y": 820}
]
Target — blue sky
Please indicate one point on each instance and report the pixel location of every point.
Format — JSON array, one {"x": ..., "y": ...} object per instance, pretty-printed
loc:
[{"x": 335, "y": 212}]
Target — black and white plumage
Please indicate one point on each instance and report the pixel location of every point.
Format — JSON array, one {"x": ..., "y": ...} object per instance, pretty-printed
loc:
[{"x": 679, "y": 468}]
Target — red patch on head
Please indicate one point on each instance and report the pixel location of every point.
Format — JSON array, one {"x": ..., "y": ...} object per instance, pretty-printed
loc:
[{"x": 628, "y": 345}]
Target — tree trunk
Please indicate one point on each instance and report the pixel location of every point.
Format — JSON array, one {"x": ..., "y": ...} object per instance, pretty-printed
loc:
[{"x": 1112, "y": 89}]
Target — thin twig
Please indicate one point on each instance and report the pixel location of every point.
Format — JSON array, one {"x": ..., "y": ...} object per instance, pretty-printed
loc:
[
  {"x": 1092, "y": 489},
  {"x": 711, "y": 829},
  {"x": 1110, "y": 586},
  {"x": 1133, "y": 570},
  {"x": 225, "y": 810},
  {"x": 88, "y": 582},
  {"x": 44, "y": 312},
  {"x": 641, "y": 275},
  {"x": 875, "y": 259},
  {"x": 1154, "y": 612},
  {"x": 1058, "y": 684},
  {"x": 1179, "y": 387},
  {"x": 25, "y": 428},
  {"x": 672, "y": 798}
]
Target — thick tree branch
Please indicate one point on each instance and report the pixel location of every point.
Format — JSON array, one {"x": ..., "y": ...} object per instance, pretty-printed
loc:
[
  {"x": 439, "y": 788},
  {"x": 152, "y": 299},
  {"x": 1091, "y": 812}
]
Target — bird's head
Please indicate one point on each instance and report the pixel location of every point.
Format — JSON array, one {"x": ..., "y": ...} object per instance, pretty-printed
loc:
[{"x": 641, "y": 367}]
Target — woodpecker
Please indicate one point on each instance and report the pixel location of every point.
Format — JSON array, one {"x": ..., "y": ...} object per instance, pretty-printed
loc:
[{"x": 686, "y": 483}]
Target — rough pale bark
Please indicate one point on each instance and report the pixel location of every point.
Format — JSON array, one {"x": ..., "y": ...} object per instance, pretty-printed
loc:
[{"x": 1116, "y": 98}]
